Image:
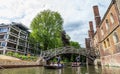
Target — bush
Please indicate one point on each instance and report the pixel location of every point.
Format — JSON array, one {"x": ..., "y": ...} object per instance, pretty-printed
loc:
[
  {"x": 9, "y": 53},
  {"x": 23, "y": 57},
  {"x": 16, "y": 55}
]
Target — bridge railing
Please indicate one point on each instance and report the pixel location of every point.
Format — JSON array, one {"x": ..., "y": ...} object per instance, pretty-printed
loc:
[{"x": 61, "y": 50}]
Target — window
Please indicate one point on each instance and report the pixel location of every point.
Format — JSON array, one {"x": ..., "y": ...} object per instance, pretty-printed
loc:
[
  {"x": 0, "y": 44},
  {"x": 111, "y": 18},
  {"x": 107, "y": 24},
  {"x": 3, "y": 43},
  {"x": 3, "y": 29},
  {"x": 1, "y": 36},
  {"x": 5, "y": 36},
  {"x": 102, "y": 32},
  {"x": 115, "y": 37},
  {"x": 108, "y": 42},
  {"x": 105, "y": 44}
]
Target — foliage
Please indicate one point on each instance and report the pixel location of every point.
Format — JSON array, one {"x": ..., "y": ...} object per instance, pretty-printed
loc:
[
  {"x": 83, "y": 59},
  {"x": 75, "y": 44},
  {"x": 46, "y": 29},
  {"x": 72, "y": 58},
  {"x": 66, "y": 60},
  {"x": 10, "y": 53},
  {"x": 54, "y": 60},
  {"x": 23, "y": 57}
]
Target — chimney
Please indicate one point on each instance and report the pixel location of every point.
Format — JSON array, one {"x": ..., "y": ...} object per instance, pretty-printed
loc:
[
  {"x": 91, "y": 25},
  {"x": 91, "y": 29},
  {"x": 97, "y": 16},
  {"x": 87, "y": 42}
]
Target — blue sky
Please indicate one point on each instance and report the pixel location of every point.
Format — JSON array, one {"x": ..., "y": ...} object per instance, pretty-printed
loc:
[{"x": 76, "y": 13}]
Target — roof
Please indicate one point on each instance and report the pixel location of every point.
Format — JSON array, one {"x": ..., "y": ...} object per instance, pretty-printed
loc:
[
  {"x": 20, "y": 25},
  {"x": 112, "y": 2},
  {"x": 2, "y": 24}
]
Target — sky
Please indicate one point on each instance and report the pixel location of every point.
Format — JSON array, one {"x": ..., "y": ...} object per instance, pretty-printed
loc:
[{"x": 75, "y": 13}]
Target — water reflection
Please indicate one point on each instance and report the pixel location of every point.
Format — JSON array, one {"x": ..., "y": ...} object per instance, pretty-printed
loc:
[
  {"x": 110, "y": 70},
  {"x": 59, "y": 71},
  {"x": 66, "y": 70},
  {"x": 76, "y": 70},
  {"x": 20, "y": 71}
]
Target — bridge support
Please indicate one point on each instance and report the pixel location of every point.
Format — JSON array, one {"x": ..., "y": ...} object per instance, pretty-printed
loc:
[
  {"x": 97, "y": 62},
  {"x": 41, "y": 61},
  {"x": 89, "y": 61}
]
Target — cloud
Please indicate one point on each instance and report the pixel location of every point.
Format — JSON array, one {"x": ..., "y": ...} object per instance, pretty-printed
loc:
[
  {"x": 76, "y": 13},
  {"x": 73, "y": 26}
]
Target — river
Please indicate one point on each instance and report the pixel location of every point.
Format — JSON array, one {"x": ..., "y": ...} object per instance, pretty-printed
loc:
[{"x": 65, "y": 70}]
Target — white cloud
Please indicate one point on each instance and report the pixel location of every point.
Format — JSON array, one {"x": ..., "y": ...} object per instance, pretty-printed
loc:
[{"x": 71, "y": 10}]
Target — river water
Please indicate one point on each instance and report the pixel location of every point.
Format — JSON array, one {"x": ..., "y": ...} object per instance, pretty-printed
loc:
[{"x": 65, "y": 70}]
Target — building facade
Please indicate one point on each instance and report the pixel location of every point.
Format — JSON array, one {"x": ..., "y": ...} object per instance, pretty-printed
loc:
[
  {"x": 89, "y": 45},
  {"x": 117, "y": 2},
  {"x": 15, "y": 37},
  {"x": 106, "y": 39}
]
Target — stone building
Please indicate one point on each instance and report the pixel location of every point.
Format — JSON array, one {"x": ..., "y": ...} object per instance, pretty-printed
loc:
[
  {"x": 106, "y": 39},
  {"x": 15, "y": 37}
]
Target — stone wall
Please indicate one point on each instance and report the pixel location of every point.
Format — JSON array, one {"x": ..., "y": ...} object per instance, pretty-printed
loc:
[
  {"x": 111, "y": 60},
  {"x": 17, "y": 63}
]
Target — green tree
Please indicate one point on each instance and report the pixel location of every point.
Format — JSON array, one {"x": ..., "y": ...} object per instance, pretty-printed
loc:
[
  {"x": 35, "y": 45},
  {"x": 75, "y": 44},
  {"x": 46, "y": 29}
]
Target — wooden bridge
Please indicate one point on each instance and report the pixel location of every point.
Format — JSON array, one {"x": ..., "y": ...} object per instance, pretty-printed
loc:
[{"x": 48, "y": 54}]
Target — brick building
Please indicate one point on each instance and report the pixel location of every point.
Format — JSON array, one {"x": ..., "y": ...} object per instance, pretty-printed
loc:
[
  {"x": 118, "y": 6},
  {"x": 106, "y": 39},
  {"x": 90, "y": 41},
  {"x": 15, "y": 37}
]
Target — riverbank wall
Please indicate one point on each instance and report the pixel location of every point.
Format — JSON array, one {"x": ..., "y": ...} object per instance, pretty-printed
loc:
[
  {"x": 12, "y": 62},
  {"x": 17, "y": 63},
  {"x": 111, "y": 60}
]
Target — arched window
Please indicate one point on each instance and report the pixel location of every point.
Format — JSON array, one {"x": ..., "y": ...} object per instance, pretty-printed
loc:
[
  {"x": 107, "y": 24},
  {"x": 115, "y": 37},
  {"x": 111, "y": 18},
  {"x": 105, "y": 44},
  {"x": 108, "y": 42}
]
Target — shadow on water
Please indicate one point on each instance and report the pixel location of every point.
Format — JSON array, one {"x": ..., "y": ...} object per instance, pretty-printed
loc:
[{"x": 66, "y": 70}]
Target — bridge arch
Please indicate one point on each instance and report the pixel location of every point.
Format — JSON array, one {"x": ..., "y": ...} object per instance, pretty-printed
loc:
[
  {"x": 48, "y": 58},
  {"x": 48, "y": 54}
]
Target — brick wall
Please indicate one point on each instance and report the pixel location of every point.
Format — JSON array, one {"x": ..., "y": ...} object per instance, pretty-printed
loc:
[
  {"x": 87, "y": 43},
  {"x": 108, "y": 33},
  {"x": 118, "y": 5}
]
